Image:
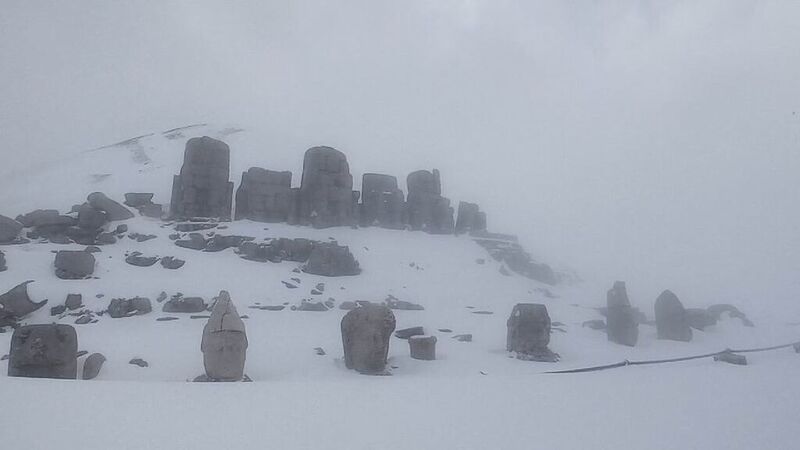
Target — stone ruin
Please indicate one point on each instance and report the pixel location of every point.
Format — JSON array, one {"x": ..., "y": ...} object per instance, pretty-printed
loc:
[
  {"x": 470, "y": 218},
  {"x": 529, "y": 333},
  {"x": 331, "y": 260},
  {"x": 366, "y": 331},
  {"x": 623, "y": 324},
  {"x": 224, "y": 342},
  {"x": 427, "y": 209},
  {"x": 264, "y": 196},
  {"x": 326, "y": 197},
  {"x": 382, "y": 203},
  {"x": 671, "y": 320},
  {"x": 44, "y": 351},
  {"x": 203, "y": 189}
]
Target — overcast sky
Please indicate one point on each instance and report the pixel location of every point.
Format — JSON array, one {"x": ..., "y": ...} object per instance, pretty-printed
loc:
[{"x": 654, "y": 142}]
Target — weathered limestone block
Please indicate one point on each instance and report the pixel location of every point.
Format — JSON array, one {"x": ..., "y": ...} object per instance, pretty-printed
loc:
[
  {"x": 331, "y": 260},
  {"x": 9, "y": 229},
  {"x": 203, "y": 188},
  {"x": 17, "y": 303},
  {"x": 366, "y": 331},
  {"x": 423, "y": 347},
  {"x": 529, "y": 333},
  {"x": 224, "y": 342},
  {"x": 92, "y": 366},
  {"x": 470, "y": 218},
  {"x": 326, "y": 189},
  {"x": 427, "y": 209},
  {"x": 671, "y": 319},
  {"x": 74, "y": 265},
  {"x": 44, "y": 351},
  {"x": 623, "y": 326},
  {"x": 382, "y": 203},
  {"x": 264, "y": 195},
  {"x": 113, "y": 210}
]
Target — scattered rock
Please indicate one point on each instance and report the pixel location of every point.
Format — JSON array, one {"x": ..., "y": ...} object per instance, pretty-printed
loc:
[
  {"x": 92, "y": 366},
  {"x": 623, "y": 326},
  {"x": 74, "y": 265},
  {"x": 423, "y": 347},
  {"x": 185, "y": 305},
  {"x": 113, "y": 210},
  {"x": 731, "y": 358},
  {"x": 84, "y": 319},
  {"x": 596, "y": 324},
  {"x": 331, "y": 260},
  {"x": 139, "y": 362},
  {"x": 365, "y": 336},
  {"x": 224, "y": 342},
  {"x": 3, "y": 267},
  {"x": 141, "y": 237},
  {"x": 445, "y": 330},
  {"x": 121, "y": 307},
  {"x": 315, "y": 292},
  {"x": 161, "y": 297},
  {"x": 269, "y": 307},
  {"x": 138, "y": 199},
  {"x": 74, "y": 301},
  {"x": 44, "y": 351},
  {"x": 121, "y": 228},
  {"x": 306, "y": 305},
  {"x": 196, "y": 241},
  {"x": 136, "y": 259},
  {"x": 172, "y": 263},
  {"x": 482, "y": 312},
  {"x": 166, "y": 319},
  {"x": 408, "y": 332},
  {"x": 90, "y": 218},
  {"x": 508, "y": 252},
  {"x": 529, "y": 333},
  {"x": 289, "y": 285},
  {"x": 319, "y": 351},
  {"x": 463, "y": 337},
  {"x": 58, "y": 310},
  {"x": 394, "y": 303},
  {"x": 17, "y": 303},
  {"x": 9, "y": 229},
  {"x": 671, "y": 319},
  {"x": 92, "y": 249}
]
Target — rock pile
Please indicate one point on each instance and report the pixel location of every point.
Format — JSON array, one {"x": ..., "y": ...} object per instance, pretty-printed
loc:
[{"x": 513, "y": 256}]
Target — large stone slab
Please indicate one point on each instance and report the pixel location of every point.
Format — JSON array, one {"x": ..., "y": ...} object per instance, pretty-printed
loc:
[
  {"x": 203, "y": 188},
  {"x": 470, "y": 218},
  {"x": 427, "y": 209},
  {"x": 366, "y": 332},
  {"x": 326, "y": 189},
  {"x": 672, "y": 321},
  {"x": 9, "y": 229},
  {"x": 74, "y": 265},
  {"x": 44, "y": 351},
  {"x": 264, "y": 195},
  {"x": 113, "y": 210},
  {"x": 528, "y": 332},
  {"x": 382, "y": 203},
  {"x": 224, "y": 342},
  {"x": 623, "y": 325}
]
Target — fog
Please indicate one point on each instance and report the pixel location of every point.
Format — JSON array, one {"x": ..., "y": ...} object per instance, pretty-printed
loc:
[{"x": 657, "y": 143}]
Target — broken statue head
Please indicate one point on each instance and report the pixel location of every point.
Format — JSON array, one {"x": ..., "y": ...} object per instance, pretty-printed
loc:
[{"x": 224, "y": 343}]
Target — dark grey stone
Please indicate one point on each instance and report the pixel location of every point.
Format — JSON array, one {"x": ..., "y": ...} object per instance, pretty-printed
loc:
[
  {"x": 123, "y": 307},
  {"x": 139, "y": 362},
  {"x": 470, "y": 218},
  {"x": 196, "y": 241},
  {"x": 153, "y": 210},
  {"x": 366, "y": 331},
  {"x": 84, "y": 319},
  {"x": 700, "y": 318},
  {"x": 136, "y": 259},
  {"x": 91, "y": 218},
  {"x": 731, "y": 358},
  {"x": 138, "y": 199},
  {"x": 423, "y": 347},
  {"x": 671, "y": 319},
  {"x": 172, "y": 263},
  {"x": 218, "y": 242},
  {"x": 595, "y": 324},
  {"x": 9, "y": 229},
  {"x": 141, "y": 237},
  {"x": 382, "y": 203},
  {"x": 325, "y": 198},
  {"x": 58, "y": 310},
  {"x": 105, "y": 239},
  {"x": 17, "y": 303},
  {"x": 427, "y": 209},
  {"x": 224, "y": 342},
  {"x": 114, "y": 211},
  {"x": 74, "y": 265},
  {"x": 463, "y": 337},
  {"x": 3, "y": 266},
  {"x": 518, "y": 260},
  {"x": 529, "y": 333},
  {"x": 44, "y": 351},
  {"x": 408, "y": 332},
  {"x": 74, "y": 301},
  {"x": 623, "y": 326},
  {"x": 185, "y": 305},
  {"x": 92, "y": 366},
  {"x": 203, "y": 188},
  {"x": 331, "y": 260},
  {"x": 394, "y": 303},
  {"x": 264, "y": 195},
  {"x": 306, "y": 305}
]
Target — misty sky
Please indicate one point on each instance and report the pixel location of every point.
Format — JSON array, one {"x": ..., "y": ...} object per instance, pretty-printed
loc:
[{"x": 654, "y": 142}]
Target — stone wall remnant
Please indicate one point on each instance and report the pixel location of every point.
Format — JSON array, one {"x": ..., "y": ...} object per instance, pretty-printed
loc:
[{"x": 203, "y": 188}]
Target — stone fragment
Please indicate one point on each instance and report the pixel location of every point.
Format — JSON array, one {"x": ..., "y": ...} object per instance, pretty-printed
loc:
[
  {"x": 595, "y": 324},
  {"x": 141, "y": 237},
  {"x": 203, "y": 188},
  {"x": 9, "y": 229},
  {"x": 90, "y": 218},
  {"x": 139, "y": 362},
  {"x": 123, "y": 307},
  {"x": 138, "y": 199},
  {"x": 17, "y": 303},
  {"x": 84, "y": 319},
  {"x": 172, "y": 263},
  {"x": 92, "y": 366},
  {"x": 622, "y": 327},
  {"x": 408, "y": 332},
  {"x": 114, "y": 211},
  {"x": 74, "y": 301},
  {"x": 671, "y": 320},
  {"x": 218, "y": 242},
  {"x": 3, "y": 266},
  {"x": 153, "y": 210},
  {"x": 264, "y": 195},
  {"x": 394, "y": 303},
  {"x": 423, "y": 347},
  {"x": 331, "y": 260},
  {"x": 185, "y": 305},
  {"x": 58, "y": 310},
  {"x": 529, "y": 333},
  {"x": 325, "y": 197},
  {"x": 44, "y": 351},
  {"x": 463, "y": 337},
  {"x": 224, "y": 342},
  {"x": 700, "y": 318},
  {"x": 306, "y": 305},
  {"x": 136, "y": 259},
  {"x": 731, "y": 358},
  {"x": 510, "y": 253},
  {"x": 196, "y": 241},
  {"x": 74, "y": 265},
  {"x": 365, "y": 336}
]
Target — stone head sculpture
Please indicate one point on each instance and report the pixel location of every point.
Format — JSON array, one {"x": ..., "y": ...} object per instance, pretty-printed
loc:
[
  {"x": 528, "y": 328},
  {"x": 366, "y": 331},
  {"x": 224, "y": 343}
]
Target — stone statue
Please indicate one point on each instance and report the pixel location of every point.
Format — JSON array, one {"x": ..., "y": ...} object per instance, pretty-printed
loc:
[
  {"x": 671, "y": 320},
  {"x": 623, "y": 324},
  {"x": 325, "y": 198},
  {"x": 224, "y": 343},
  {"x": 529, "y": 333},
  {"x": 203, "y": 188},
  {"x": 366, "y": 331},
  {"x": 44, "y": 351}
]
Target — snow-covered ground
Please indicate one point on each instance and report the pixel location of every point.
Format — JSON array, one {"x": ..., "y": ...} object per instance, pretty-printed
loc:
[{"x": 474, "y": 396}]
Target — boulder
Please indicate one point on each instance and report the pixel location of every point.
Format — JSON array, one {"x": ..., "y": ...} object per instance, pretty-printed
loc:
[
  {"x": 470, "y": 218},
  {"x": 3, "y": 266},
  {"x": 623, "y": 326},
  {"x": 196, "y": 241},
  {"x": 136, "y": 259},
  {"x": 224, "y": 342},
  {"x": 408, "y": 332},
  {"x": 73, "y": 302},
  {"x": 264, "y": 195},
  {"x": 427, "y": 209},
  {"x": 529, "y": 333},
  {"x": 325, "y": 198},
  {"x": 114, "y": 211},
  {"x": 366, "y": 331},
  {"x": 700, "y": 318},
  {"x": 9, "y": 229},
  {"x": 382, "y": 203},
  {"x": 423, "y": 347},
  {"x": 731, "y": 358},
  {"x": 74, "y": 265},
  {"x": 17, "y": 303},
  {"x": 92, "y": 366},
  {"x": 90, "y": 218},
  {"x": 138, "y": 199},
  {"x": 203, "y": 188},
  {"x": 153, "y": 210},
  {"x": 331, "y": 260},
  {"x": 124, "y": 307},
  {"x": 172, "y": 263},
  {"x": 671, "y": 319},
  {"x": 185, "y": 305},
  {"x": 44, "y": 351}
]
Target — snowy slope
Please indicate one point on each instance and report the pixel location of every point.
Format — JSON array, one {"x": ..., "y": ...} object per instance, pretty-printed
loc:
[{"x": 473, "y": 396}]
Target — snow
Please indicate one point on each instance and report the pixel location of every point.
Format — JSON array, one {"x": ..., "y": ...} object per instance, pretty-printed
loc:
[{"x": 474, "y": 396}]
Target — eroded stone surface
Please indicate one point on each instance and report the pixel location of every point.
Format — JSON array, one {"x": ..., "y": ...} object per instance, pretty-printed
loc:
[
  {"x": 382, "y": 203},
  {"x": 44, "y": 351},
  {"x": 423, "y": 347},
  {"x": 74, "y": 265},
  {"x": 671, "y": 320},
  {"x": 366, "y": 331},
  {"x": 224, "y": 342},
  {"x": 92, "y": 366},
  {"x": 529, "y": 332},
  {"x": 623, "y": 326},
  {"x": 112, "y": 209},
  {"x": 9, "y": 229},
  {"x": 203, "y": 188},
  {"x": 325, "y": 197},
  {"x": 264, "y": 195},
  {"x": 331, "y": 260},
  {"x": 427, "y": 209}
]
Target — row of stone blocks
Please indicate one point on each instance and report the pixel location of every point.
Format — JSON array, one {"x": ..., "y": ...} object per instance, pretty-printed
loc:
[
  {"x": 325, "y": 197},
  {"x": 50, "y": 351}
]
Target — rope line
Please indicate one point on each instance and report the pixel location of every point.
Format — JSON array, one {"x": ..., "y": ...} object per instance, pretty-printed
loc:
[{"x": 672, "y": 360}]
